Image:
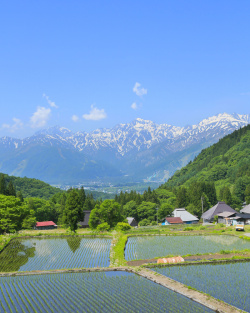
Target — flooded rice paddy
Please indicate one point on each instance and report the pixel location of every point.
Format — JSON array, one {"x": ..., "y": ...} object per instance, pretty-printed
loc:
[
  {"x": 147, "y": 247},
  {"x": 91, "y": 292},
  {"x": 55, "y": 253},
  {"x": 228, "y": 282}
]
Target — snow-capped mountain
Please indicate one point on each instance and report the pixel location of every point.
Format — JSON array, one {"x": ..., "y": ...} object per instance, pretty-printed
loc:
[{"x": 137, "y": 147}]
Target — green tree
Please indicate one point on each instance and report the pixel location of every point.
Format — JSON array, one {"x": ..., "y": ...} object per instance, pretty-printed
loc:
[
  {"x": 165, "y": 210},
  {"x": 247, "y": 194},
  {"x": 2, "y": 185},
  {"x": 130, "y": 209},
  {"x": 73, "y": 212},
  {"x": 20, "y": 195},
  {"x": 108, "y": 211},
  {"x": 225, "y": 195},
  {"x": 10, "y": 191},
  {"x": 82, "y": 196},
  {"x": 182, "y": 198},
  {"x": 147, "y": 210},
  {"x": 12, "y": 213}
]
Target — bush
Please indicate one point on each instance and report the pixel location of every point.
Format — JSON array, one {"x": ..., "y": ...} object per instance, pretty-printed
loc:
[
  {"x": 103, "y": 227},
  {"x": 154, "y": 223},
  {"x": 201, "y": 227},
  {"x": 188, "y": 228},
  {"x": 216, "y": 219},
  {"x": 221, "y": 225},
  {"x": 123, "y": 226},
  {"x": 144, "y": 222}
]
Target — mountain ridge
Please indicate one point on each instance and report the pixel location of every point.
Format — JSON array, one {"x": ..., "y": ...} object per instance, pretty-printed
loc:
[{"x": 126, "y": 149}]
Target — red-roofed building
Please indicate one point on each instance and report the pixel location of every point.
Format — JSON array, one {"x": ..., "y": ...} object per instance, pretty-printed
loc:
[
  {"x": 172, "y": 221},
  {"x": 46, "y": 225}
]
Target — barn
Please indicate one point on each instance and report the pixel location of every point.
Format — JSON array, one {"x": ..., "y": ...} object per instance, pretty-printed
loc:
[
  {"x": 85, "y": 222},
  {"x": 46, "y": 225},
  {"x": 132, "y": 221}
]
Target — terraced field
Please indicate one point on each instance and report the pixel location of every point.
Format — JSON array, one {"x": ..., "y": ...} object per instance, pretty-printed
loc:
[
  {"x": 147, "y": 247},
  {"x": 91, "y": 292},
  {"x": 228, "y": 282},
  {"x": 55, "y": 253}
]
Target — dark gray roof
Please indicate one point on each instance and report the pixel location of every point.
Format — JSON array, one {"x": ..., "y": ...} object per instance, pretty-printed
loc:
[
  {"x": 246, "y": 209},
  {"x": 226, "y": 214},
  {"x": 86, "y": 218},
  {"x": 220, "y": 207},
  {"x": 131, "y": 220},
  {"x": 243, "y": 215}
]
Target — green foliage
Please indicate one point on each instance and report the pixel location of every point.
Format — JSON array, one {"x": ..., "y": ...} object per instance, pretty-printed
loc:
[
  {"x": 73, "y": 212},
  {"x": 103, "y": 227},
  {"x": 28, "y": 186},
  {"x": 117, "y": 257},
  {"x": 188, "y": 228},
  {"x": 225, "y": 164},
  {"x": 144, "y": 222},
  {"x": 154, "y": 223},
  {"x": 13, "y": 213},
  {"x": 123, "y": 226},
  {"x": 216, "y": 218},
  {"x": 108, "y": 211}
]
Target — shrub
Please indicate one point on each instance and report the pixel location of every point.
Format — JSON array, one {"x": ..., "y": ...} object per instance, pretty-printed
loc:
[
  {"x": 202, "y": 227},
  {"x": 221, "y": 225},
  {"x": 144, "y": 222},
  {"x": 123, "y": 226},
  {"x": 188, "y": 228},
  {"x": 103, "y": 227},
  {"x": 154, "y": 223}
]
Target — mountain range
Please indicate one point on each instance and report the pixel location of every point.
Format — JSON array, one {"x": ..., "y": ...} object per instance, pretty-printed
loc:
[{"x": 133, "y": 152}]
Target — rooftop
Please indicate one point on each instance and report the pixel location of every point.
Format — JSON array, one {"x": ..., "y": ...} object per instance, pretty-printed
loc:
[{"x": 50, "y": 223}]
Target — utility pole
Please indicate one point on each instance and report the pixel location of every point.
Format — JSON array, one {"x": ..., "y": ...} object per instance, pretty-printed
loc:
[{"x": 202, "y": 207}]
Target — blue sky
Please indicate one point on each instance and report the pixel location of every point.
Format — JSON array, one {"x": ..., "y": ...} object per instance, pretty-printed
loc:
[{"x": 92, "y": 64}]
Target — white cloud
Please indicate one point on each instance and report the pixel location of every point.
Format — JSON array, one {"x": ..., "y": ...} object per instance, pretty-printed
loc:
[
  {"x": 139, "y": 91},
  {"x": 40, "y": 117},
  {"x": 14, "y": 127},
  {"x": 75, "y": 118},
  {"x": 134, "y": 106},
  {"x": 95, "y": 114},
  {"x": 51, "y": 103}
]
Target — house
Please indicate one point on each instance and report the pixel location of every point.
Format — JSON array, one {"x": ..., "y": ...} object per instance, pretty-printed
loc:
[
  {"x": 220, "y": 207},
  {"x": 186, "y": 217},
  {"x": 46, "y": 225},
  {"x": 246, "y": 209},
  {"x": 230, "y": 218},
  {"x": 85, "y": 222},
  {"x": 172, "y": 221},
  {"x": 132, "y": 221}
]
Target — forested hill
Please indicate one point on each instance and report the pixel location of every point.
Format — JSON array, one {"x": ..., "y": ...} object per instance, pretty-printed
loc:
[
  {"x": 31, "y": 187},
  {"x": 226, "y": 163}
]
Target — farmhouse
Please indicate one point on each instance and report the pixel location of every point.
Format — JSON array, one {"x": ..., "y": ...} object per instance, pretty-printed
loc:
[
  {"x": 230, "y": 218},
  {"x": 186, "y": 217},
  {"x": 172, "y": 221},
  {"x": 85, "y": 222},
  {"x": 220, "y": 207},
  {"x": 246, "y": 209},
  {"x": 132, "y": 221},
  {"x": 46, "y": 225}
]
